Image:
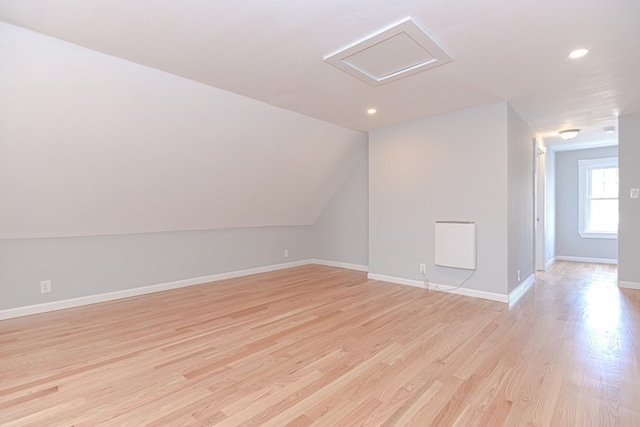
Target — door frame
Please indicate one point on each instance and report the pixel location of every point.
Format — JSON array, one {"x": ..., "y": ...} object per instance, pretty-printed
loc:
[{"x": 539, "y": 182}]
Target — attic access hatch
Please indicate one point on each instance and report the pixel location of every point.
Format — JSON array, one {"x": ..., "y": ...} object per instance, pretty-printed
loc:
[{"x": 404, "y": 49}]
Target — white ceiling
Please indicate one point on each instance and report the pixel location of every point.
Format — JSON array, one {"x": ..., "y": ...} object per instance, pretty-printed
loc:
[{"x": 514, "y": 50}]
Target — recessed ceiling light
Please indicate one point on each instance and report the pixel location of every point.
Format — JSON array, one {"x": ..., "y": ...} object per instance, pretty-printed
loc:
[
  {"x": 371, "y": 111},
  {"x": 568, "y": 133},
  {"x": 609, "y": 129},
  {"x": 578, "y": 53}
]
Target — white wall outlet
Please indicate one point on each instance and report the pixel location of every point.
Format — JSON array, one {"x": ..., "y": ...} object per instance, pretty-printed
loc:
[
  {"x": 634, "y": 193},
  {"x": 45, "y": 286},
  {"x": 423, "y": 268},
  {"x": 518, "y": 275},
  {"x": 286, "y": 253}
]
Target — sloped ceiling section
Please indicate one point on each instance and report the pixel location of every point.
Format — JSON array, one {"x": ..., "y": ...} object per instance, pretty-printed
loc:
[{"x": 94, "y": 144}]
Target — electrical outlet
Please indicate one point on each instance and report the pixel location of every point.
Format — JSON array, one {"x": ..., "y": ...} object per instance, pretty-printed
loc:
[
  {"x": 423, "y": 268},
  {"x": 45, "y": 286},
  {"x": 518, "y": 275},
  {"x": 286, "y": 253}
]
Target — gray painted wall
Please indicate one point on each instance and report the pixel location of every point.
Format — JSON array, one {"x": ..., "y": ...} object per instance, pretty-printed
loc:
[
  {"x": 568, "y": 240},
  {"x": 83, "y": 266},
  {"x": 447, "y": 167},
  {"x": 629, "y": 228},
  {"x": 341, "y": 232},
  {"x": 550, "y": 207},
  {"x": 520, "y": 155}
]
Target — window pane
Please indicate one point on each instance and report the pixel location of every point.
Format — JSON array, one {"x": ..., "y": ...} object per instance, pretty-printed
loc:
[
  {"x": 604, "y": 182},
  {"x": 604, "y": 216}
]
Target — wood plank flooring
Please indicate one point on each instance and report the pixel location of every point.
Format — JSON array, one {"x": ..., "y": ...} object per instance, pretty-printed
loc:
[{"x": 323, "y": 346}]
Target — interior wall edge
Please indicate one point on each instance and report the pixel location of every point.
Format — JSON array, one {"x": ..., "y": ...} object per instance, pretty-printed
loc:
[
  {"x": 127, "y": 293},
  {"x": 86, "y": 266},
  {"x": 587, "y": 259},
  {"x": 437, "y": 287}
]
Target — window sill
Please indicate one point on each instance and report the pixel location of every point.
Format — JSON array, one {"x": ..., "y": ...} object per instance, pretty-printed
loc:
[{"x": 588, "y": 235}]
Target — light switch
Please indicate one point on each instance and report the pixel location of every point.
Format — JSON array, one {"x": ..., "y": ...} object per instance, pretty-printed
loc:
[{"x": 634, "y": 193}]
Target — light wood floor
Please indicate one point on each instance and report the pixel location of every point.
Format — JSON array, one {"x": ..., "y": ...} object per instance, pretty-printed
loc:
[{"x": 318, "y": 345}]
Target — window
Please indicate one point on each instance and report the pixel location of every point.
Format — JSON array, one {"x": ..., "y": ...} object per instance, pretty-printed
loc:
[{"x": 598, "y": 198}]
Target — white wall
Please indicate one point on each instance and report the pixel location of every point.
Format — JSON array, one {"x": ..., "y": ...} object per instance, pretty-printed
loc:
[
  {"x": 520, "y": 207},
  {"x": 447, "y": 167},
  {"x": 629, "y": 228},
  {"x": 92, "y": 144},
  {"x": 341, "y": 232},
  {"x": 569, "y": 243}
]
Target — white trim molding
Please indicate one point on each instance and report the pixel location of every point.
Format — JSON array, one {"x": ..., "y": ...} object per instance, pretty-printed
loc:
[
  {"x": 550, "y": 263},
  {"x": 628, "y": 285},
  {"x": 338, "y": 264},
  {"x": 397, "y": 280},
  {"x": 441, "y": 288},
  {"x": 522, "y": 289},
  {"x": 585, "y": 259}
]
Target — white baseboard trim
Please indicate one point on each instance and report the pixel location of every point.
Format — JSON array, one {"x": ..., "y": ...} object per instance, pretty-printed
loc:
[
  {"x": 522, "y": 289},
  {"x": 473, "y": 293},
  {"x": 443, "y": 288},
  {"x": 629, "y": 285},
  {"x": 397, "y": 280},
  {"x": 348, "y": 266},
  {"x": 585, "y": 259},
  {"x": 126, "y": 293},
  {"x": 550, "y": 263}
]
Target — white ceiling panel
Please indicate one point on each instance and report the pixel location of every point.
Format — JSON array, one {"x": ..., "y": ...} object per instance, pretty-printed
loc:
[{"x": 273, "y": 52}]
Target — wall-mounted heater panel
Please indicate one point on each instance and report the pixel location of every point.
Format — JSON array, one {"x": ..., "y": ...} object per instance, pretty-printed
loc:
[{"x": 455, "y": 244}]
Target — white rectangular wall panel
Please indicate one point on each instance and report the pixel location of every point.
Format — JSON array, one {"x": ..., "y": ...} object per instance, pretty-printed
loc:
[{"x": 455, "y": 244}]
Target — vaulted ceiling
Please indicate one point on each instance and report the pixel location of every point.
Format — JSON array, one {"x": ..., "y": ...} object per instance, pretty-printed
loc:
[{"x": 272, "y": 51}]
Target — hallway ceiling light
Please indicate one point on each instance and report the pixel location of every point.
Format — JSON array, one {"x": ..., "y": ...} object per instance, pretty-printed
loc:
[
  {"x": 568, "y": 133},
  {"x": 578, "y": 53}
]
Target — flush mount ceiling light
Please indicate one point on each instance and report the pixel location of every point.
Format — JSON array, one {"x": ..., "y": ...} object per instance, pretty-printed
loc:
[
  {"x": 568, "y": 133},
  {"x": 371, "y": 111},
  {"x": 578, "y": 53},
  {"x": 395, "y": 52}
]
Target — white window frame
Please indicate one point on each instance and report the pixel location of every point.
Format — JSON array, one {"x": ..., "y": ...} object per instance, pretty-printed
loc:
[{"x": 584, "y": 183}]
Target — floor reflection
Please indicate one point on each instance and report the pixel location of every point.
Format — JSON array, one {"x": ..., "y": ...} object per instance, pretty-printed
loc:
[{"x": 602, "y": 311}]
